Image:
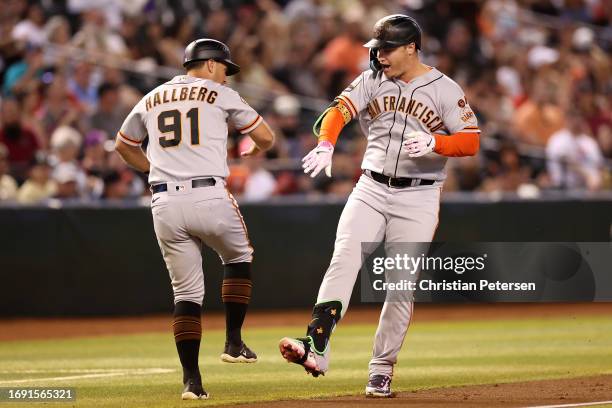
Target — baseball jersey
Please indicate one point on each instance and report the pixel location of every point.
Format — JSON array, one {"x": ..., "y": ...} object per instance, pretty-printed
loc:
[
  {"x": 389, "y": 109},
  {"x": 186, "y": 122}
]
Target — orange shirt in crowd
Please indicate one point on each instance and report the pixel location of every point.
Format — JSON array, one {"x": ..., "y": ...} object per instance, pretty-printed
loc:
[{"x": 344, "y": 53}]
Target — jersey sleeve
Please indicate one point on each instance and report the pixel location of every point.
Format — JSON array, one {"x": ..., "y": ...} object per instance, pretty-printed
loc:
[
  {"x": 242, "y": 115},
  {"x": 133, "y": 130},
  {"x": 457, "y": 115},
  {"x": 358, "y": 94}
]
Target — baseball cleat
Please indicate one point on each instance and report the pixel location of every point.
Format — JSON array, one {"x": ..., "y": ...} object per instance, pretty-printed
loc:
[
  {"x": 379, "y": 386},
  {"x": 238, "y": 354},
  {"x": 194, "y": 390},
  {"x": 300, "y": 351}
]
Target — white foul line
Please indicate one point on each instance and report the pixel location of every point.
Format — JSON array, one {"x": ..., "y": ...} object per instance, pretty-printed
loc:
[
  {"x": 145, "y": 371},
  {"x": 582, "y": 404}
]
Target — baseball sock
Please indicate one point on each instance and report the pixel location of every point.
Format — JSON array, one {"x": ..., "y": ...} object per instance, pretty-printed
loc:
[
  {"x": 187, "y": 334},
  {"x": 325, "y": 316},
  {"x": 236, "y": 294}
]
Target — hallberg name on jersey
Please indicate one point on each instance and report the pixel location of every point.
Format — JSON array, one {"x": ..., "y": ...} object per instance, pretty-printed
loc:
[
  {"x": 415, "y": 108},
  {"x": 185, "y": 93}
]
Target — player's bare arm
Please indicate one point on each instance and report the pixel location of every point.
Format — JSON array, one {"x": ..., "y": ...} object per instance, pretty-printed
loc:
[
  {"x": 132, "y": 155},
  {"x": 263, "y": 139}
]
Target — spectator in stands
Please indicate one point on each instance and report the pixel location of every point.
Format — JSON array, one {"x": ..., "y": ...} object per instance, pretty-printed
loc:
[
  {"x": 463, "y": 49},
  {"x": 38, "y": 186},
  {"x": 135, "y": 183},
  {"x": 260, "y": 183},
  {"x": 8, "y": 186},
  {"x": 20, "y": 141},
  {"x": 539, "y": 117},
  {"x": 57, "y": 31},
  {"x": 31, "y": 30},
  {"x": 110, "y": 114},
  {"x": 94, "y": 153},
  {"x": 65, "y": 145},
  {"x": 345, "y": 56},
  {"x": 573, "y": 157},
  {"x": 508, "y": 174},
  {"x": 297, "y": 74},
  {"x": 604, "y": 138},
  {"x": 59, "y": 108},
  {"x": 115, "y": 188},
  {"x": 82, "y": 87},
  {"x": 253, "y": 72},
  {"x": 65, "y": 175},
  {"x": 518, "y": 73},
  {"x": 96, "y": 37},
  {"x": 24, "y": 73}
]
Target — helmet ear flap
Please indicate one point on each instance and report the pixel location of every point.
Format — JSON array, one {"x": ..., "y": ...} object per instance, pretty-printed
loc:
[{"x": 374, "y": 63}]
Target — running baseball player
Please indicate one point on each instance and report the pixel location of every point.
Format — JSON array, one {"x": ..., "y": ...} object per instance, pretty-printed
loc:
[
  {"x": 415, "y": 118},
  {"x": 186, "y": 122}
]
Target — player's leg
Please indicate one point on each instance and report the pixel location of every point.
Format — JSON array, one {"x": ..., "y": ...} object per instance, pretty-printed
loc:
[
  {"x": 182, "y": 254},
  {"x": 222, "y": 228},
  {"x": 413, "y": 219},
  {"x": 361, "y": 222}
]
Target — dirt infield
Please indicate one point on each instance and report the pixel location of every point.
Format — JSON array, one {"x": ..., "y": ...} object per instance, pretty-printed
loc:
[
  {"x": 522, "y": 394},
  {"x": 29, "y": 328}
]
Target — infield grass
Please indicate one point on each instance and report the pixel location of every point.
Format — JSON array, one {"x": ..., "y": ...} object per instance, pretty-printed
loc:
[{"x": 142, "y": 370}]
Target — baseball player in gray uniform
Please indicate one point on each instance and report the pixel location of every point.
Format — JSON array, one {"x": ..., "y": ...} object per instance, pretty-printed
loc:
[
  {"x": 185, "y": 120},
  {"x": 415, "y": 117}
]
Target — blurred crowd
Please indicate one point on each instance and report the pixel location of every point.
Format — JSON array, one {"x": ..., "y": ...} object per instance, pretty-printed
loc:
[{"x": 536, "y": 73}]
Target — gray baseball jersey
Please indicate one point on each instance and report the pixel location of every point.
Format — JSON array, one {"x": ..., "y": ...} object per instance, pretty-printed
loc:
[
  {"x": 389, "y": 109},
  {"x": 186, "y": 121}
]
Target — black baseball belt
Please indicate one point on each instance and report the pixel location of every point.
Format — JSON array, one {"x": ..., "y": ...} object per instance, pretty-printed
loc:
[
  {"x": 203, "y": 182},
  {"x": 398, "y": 182}
]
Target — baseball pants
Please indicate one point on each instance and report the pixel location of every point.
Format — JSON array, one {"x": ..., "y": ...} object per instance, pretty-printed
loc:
[
  {"x": 375, "y": 212},
  {"x": 184, "y": 218}
]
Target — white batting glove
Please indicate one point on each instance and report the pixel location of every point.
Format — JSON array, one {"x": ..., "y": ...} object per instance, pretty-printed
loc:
[
  {"x": 318, "y": 159},
  {"x": 419, "y": 143}
]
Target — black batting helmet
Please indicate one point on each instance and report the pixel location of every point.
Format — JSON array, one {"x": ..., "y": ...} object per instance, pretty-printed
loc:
[
  {"x": 207, "y": 48},
  {"x": 395, "y": 30}
]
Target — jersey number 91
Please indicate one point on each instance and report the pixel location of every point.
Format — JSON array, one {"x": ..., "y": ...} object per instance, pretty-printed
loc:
[{"x": 170, "y": 122}]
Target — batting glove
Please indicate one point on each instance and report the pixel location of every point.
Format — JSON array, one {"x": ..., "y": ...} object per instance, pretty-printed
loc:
[
  {"x": 318, "y": 159},
  {"x": 419, "y": 143}
]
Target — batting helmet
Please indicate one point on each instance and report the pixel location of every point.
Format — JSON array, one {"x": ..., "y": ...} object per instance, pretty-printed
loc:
[
  {"x": 207, "y": 48},
  {"x": 395, "y": 30}
]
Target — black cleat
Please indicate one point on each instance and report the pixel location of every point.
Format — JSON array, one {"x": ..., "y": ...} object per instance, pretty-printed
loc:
[
  {"x": 238, "y": 354},
  {"x": 194, "y": 390},
  {"x": 379, "y": 386}
]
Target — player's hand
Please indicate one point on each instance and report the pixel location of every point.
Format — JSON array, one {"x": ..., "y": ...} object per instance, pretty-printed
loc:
[
  {"x": 253, "y": 151},
  {"x": 318, "y": 159},
  {"x": 419, "y": 144}
]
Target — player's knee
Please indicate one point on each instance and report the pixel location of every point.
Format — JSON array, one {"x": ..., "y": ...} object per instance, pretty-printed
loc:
[
  {"x": 197, "y": 298},
  {"x": 243, "y": 256},
  {"x": 237, "y": 285},
  {"x": 188, "y": 287},
  {"x": 193, "y": 294}
]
